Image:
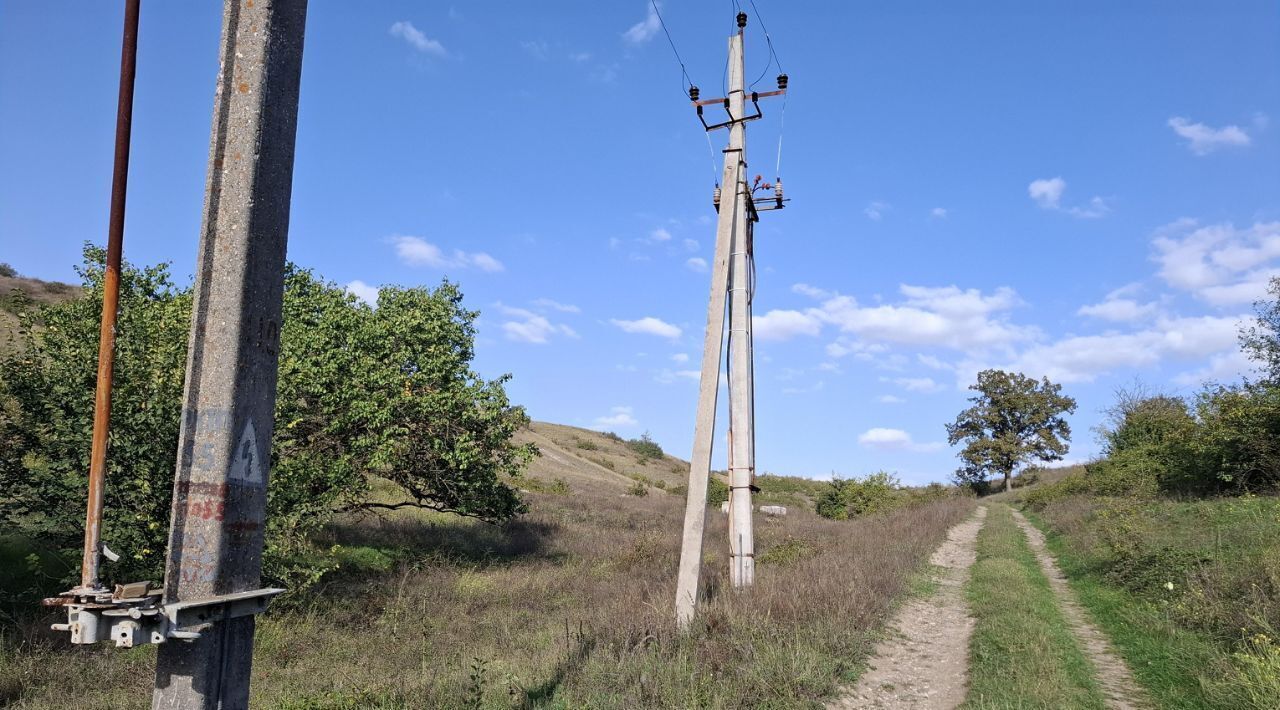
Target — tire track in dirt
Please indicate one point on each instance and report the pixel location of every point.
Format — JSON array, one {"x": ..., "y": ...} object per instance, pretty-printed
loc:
[
  {"x": 924, "y": 662},
  {"x": 1121, "y": 691}
]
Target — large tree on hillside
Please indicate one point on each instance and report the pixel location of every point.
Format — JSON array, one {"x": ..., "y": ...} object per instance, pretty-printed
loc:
[
  {"x": 363, "y": 393},
  {"x": 1014, "y": 420}
]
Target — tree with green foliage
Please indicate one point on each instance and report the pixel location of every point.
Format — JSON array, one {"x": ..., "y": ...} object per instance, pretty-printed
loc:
[
  {"x": 364, "y": 393},
  {"x": 1014, "y": 420}
]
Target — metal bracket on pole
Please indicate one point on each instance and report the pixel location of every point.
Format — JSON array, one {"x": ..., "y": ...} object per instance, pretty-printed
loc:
[{"x": 132, "y": 615}]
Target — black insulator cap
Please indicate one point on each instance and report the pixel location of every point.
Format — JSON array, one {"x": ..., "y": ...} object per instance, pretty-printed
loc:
[
  {"x": 693, "y": 93},
  {"x": 782, "y": 81},
  {"x": 742, "y": 20}
]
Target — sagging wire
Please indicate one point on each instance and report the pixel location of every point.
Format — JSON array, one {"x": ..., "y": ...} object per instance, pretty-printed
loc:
[{"x": 684, "y": 72}]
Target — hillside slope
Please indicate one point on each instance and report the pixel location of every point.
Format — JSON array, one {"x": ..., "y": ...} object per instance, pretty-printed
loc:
[{"x": 583, "y": 458}]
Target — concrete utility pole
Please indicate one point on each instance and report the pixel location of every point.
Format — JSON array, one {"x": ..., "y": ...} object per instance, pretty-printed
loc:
[
  {"x": 220, "y": 489},
  {"x": 732, "y": 279}
]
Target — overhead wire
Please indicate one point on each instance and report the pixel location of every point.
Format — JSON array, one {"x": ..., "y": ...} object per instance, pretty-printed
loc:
[
  {"x": 688, "y": 81},
  {"x": 773, "y": 59},
  {"x": 684, "y": 72}
]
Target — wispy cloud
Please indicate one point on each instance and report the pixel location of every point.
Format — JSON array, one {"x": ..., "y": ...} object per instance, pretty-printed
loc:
[
  {"x": 875, "y": 211},
  {"x": 529, "y": 327},
  {"x": 416, "y": 251},
  {"x": 1203, "y": 140},
  {"x": 644, "y": 30},
  {"x": 648, "y": 326},
  {"x": 416, "y": 39},
  {"x": 696, "y": 264},
  {"x": 1047, "y": 193},
  {"x": 617, "y": 418},
  {"x": 884, "y": 439},
  {"x": 557, "y": 306}
]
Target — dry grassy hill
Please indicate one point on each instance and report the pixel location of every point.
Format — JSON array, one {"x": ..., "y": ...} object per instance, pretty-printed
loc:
[
  {"x": 18, "y": 293},
  {"x": 598, "y": 460}
]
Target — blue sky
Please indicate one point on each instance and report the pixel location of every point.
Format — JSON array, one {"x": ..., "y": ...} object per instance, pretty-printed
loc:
[{"x": 1084, "y": 190}]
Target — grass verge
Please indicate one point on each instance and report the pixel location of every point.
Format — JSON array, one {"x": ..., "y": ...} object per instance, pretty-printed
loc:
[
  {"x": 1162, "y": 657},
  {"x": 1023, "y": 654}
]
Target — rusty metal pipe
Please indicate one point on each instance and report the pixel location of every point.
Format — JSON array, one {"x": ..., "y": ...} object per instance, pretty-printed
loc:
[{"x": 110, "y": 302}]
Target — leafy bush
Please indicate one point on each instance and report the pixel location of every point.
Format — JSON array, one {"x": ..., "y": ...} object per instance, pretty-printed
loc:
[
  {"x": 873, "y": 494},
  {"x": 6, "y": 270},
  {"x": 638, "y": 489},
  {"x": 645, "y": 448},
  {"x": 362, "y": 391},
  {"x": 717, "y": 492}
]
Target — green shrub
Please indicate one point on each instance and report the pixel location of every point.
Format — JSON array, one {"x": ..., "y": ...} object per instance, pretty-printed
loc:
[
  {"x": 1039, "y": 497},
  {"x": 873, "y": 494},
  {"x": 586, "y": 445},
  {"x": 638, "y": 489},
  {"x": 717, "y": 492},
  {"x": 6, "y": 270},
  {"x": 645, "y": 448}
]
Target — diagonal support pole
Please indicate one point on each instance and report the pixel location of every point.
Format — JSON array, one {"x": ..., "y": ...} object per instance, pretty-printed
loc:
[
  {"x": 220, "y": 486},
  {"x": 695, "y": 513}
]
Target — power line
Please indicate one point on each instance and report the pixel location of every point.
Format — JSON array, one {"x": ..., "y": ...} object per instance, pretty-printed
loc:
[
  {"x": 773, "y": 55},
  {"x": 672, "y": 42}
]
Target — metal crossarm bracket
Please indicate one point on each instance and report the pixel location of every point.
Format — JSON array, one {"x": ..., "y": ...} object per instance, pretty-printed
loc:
[
  {"x": 134, "y": 616},
  {"x": 755, "y": 101}
]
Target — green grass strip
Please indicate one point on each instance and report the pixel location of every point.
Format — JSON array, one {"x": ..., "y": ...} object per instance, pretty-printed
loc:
[
  {"x": 1166, "y": 660},
  {"x": 1022, "y": 654}
]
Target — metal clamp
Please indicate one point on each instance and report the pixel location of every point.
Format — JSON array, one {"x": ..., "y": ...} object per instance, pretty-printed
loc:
[{"x": 133, "y": 615}]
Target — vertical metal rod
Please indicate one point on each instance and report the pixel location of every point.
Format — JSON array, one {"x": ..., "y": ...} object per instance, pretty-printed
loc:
[
  {"x": 220, "y": 483},
  {"x": 110, "y": 303},
  {"x": 695, "y": 514}
]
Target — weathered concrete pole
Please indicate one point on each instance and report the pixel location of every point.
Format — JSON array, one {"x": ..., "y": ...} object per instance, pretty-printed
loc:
[
  {"x": 220, "y": 487},
  {"x": 732, "y": 207}
]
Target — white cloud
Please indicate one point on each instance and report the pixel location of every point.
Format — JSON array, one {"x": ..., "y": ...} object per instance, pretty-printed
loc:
[
  {"x": 1083, "y": 358},
  {"x": 659, "y": 235},
  {"x": 416, "y": 39},
  {"x": 538, "y": 49},
  {"x": 691, "y": 244},
  {"x": 696, "y": 264},
  {"x": 617, "y": 418},
  {"x": 1223, "y": 367},
  {"x": 1047, "y": 192},
  {"x": 1118, "y": 306},
  {"x": 893, "y": 440},
  {"x": 1218, "y": 263},
  {"x": 529, "y": 327},
  {"x": 1119, "y": 310},
  {"x": 812, "y": 292},
  {"x": 680, "y": 357},
  {"x": 556, "y": 306},
  {"x": 1203, "y": 140},
  {"x": 648, "y": 326},
  {"x": 938, "y": 212},
  {"x": 666, "y": 376},
  {"x": 644, "y": 30},
  {"x": 875, "y": 211},
  {"x": 482, "y": 261},
  {"x": 784, "y": 325},
  {"x": 580, "y": 57},
  {"x": 917, "y": 384},
  {"x": 364, "y": 292},
  {"x": 890, "y": 399},
  {"x": 966, "y": 320},
  {"x": 416, "y": 251}
]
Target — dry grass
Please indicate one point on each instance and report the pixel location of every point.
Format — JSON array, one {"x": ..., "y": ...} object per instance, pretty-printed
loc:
[{"x": 568, "y": 607}]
